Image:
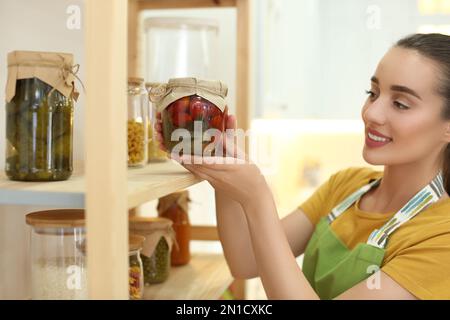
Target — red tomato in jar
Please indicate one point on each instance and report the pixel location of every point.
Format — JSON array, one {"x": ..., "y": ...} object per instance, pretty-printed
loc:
[
  {"x": 197, "y": 110},
  {"x": 180, "y": 106},
  {"x": 217, "y": 123},
  {"x": 181, "y": 120},
  {"x": 213, "y": 111}
]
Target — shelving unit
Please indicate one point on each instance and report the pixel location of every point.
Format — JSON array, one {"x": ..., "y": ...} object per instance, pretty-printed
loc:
[
  {"x": 106, "y": 188},
  {"x": 206, "y": 277},
  {"x": 143, "y": 185}
]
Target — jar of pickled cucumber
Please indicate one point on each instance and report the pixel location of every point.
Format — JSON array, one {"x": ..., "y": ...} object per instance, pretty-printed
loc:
[
  {"x": 157, "y": 246},
  {"x": 39, "y": 116},
  {"x": 138, "y": 105},
  {"x": 136, "y": 276},
  {"x": 155, "y": 152}
]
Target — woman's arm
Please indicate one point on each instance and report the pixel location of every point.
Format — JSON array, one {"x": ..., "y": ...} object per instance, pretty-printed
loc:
[
  {"x": 235, "y": 237},
  {"x": 280, "y": 274}
]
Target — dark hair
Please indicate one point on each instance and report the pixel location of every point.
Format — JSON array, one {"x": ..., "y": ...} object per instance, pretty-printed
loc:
[{"x": 436, "y": 47}]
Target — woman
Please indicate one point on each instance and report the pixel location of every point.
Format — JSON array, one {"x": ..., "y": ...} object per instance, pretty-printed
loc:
[{"x": 365, "y": 234}]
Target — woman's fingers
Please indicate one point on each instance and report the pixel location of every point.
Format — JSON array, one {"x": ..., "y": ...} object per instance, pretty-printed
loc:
[{"x": 231, "y": 122}]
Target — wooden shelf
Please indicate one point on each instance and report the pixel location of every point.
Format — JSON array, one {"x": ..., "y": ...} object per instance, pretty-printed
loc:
[
  {"x": 206, "y": 277},
  {"x": 144, "y": 184}
]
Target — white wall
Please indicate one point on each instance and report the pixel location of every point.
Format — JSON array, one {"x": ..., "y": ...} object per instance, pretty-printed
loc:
[
  {"x": 41, "y": 26},
  {"x": 317, "y": 56}
]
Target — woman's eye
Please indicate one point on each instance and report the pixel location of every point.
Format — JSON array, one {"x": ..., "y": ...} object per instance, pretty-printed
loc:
[
  {"x": 400, "y": 105},
  {"x": 370, "y": 93}
]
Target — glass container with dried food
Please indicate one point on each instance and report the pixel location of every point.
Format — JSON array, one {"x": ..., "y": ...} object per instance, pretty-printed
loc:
[
  {"x": 58, "y": 255},
  {"x": 39, "y": 115},
  {"x": 137, "y": 122},
  {"x": 155, "y": 153},
  {"x": 175, "y": 207},
  {"x": 136, "y": 276},
  {"x": 157, "y": 246},
  {"x": 193, "y": 114}
]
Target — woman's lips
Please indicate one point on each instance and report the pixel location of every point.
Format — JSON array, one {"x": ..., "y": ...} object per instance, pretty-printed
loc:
[{"x": 375, "y": 139}]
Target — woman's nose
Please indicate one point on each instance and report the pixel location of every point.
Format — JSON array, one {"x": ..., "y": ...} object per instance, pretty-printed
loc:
[{"x": 375, "y": 112}]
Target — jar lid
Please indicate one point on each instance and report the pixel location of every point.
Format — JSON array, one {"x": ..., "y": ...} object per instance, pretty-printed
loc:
[
  {"x": 213, "y": 86},
  {"x": 150, "y": 223},
  {"x": 150, "y": 85},
  {"x": 54, "y": 68},
  {"x": 181, "y": 23},
  {"x": 135, "y": 242},
  {"x": 181, "y": 198},
  {"x": 135, "y": 80},
  {"x": 60, "y": 218},
  {"x": 177, "y": 88}
]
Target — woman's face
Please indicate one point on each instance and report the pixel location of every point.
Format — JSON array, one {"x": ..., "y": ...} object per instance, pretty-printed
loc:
[{"x": 402, "y": 114}]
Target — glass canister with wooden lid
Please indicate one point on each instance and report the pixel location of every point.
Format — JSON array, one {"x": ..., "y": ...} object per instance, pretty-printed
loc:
[{"x": 58, "y": 254}]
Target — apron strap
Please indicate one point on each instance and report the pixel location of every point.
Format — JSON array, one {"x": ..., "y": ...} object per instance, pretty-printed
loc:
[
  {"x": 424, "y": 198},
  {"x": 350, "y": 200}
]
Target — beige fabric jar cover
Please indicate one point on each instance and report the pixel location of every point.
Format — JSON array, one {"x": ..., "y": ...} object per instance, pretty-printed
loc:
[
  {"x": 152, "y": 229},
  {"x": 180, "y": 198},
  {"x": 177, "y": 88},
  {"x": 55, "y": 69}
]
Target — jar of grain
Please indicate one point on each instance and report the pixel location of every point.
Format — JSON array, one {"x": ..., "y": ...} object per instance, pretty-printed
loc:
[{"x": 58, "y": 255}]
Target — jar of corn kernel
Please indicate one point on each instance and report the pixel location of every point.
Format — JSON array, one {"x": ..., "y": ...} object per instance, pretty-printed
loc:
[{"x": 138, "y": 122}]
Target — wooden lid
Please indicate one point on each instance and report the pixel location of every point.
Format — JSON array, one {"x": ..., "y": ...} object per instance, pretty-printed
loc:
[
  {"x": 60, "y": 218},
  {"x": 135, "y": 242},
  {"x": 135, "y": 80},
  {"x": 149, "y": 225}
]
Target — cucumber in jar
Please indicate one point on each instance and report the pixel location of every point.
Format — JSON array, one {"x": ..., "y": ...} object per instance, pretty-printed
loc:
[{"x": 39, "y": 133}]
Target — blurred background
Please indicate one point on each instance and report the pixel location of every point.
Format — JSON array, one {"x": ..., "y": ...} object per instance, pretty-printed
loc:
[{"x": 311, "y": 62}]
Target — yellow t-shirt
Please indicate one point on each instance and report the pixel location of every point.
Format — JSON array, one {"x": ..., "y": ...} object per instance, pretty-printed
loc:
[{"x": 417, "y": 254}]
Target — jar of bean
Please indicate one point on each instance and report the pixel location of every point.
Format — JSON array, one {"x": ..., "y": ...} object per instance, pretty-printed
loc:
[{"x": 155, "y": 254}]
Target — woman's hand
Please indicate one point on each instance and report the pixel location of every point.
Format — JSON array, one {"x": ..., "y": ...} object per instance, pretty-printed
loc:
[
  {"x": 242, "y": 182},
  {"x": 233, "y": 175}
]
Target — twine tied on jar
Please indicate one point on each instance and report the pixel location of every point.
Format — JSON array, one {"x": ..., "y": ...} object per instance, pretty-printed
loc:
[{"x": 42, "y": 65}]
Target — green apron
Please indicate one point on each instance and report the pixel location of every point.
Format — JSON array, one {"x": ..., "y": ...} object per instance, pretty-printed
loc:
[{"x": 332, "y": 268}]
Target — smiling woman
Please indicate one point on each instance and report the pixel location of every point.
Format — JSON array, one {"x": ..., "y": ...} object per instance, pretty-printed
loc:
[{"x": 365, "y": 234}]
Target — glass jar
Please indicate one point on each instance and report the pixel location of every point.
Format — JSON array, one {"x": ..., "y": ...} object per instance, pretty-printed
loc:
[
  {"x": 155, "y": 255},
  {"x": 39, "y": 117},
  {"x": 175, "y": 208},
  {"x": 194, "y": 112},
  {"x": 136, "y": 276},
  {"x": 58, "y": 255},
  {"x": 181, "y": 47},
  {"x": 155, "y": 153},
  {"x": 137, "y": 122}
]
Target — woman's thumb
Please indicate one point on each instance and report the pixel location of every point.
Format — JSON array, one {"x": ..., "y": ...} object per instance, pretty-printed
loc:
[{"x": 231, "y": 122}]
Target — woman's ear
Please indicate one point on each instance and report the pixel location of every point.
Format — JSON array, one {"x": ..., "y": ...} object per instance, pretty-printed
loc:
[{"x": 447, "y": 132}]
